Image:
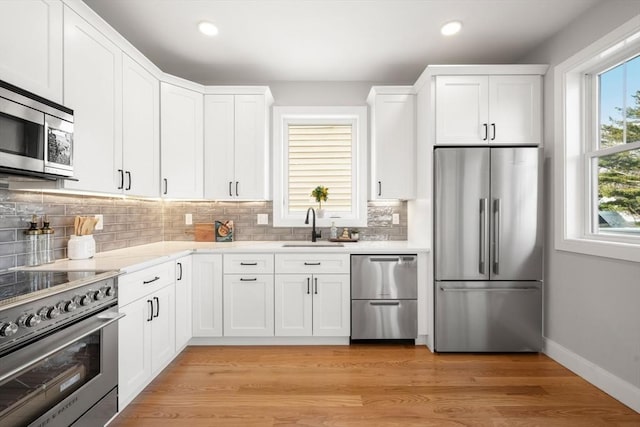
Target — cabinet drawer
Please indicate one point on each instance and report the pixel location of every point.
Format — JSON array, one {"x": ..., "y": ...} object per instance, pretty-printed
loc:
[
  {"x": 248, "y": 264},
  {"x": 309, "y": 263},
  {"x": 140, "y": 283}
]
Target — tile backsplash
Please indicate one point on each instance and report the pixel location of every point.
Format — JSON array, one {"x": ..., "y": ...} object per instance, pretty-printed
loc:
[{"x": 131, "y": 222}]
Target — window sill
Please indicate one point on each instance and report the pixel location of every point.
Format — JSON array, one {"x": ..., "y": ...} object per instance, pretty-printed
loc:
[{"x": 600, "y": 248}]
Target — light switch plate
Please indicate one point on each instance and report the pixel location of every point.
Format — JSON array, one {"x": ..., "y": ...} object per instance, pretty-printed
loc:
[
  {"x": 263, "y": 219},
  {"x": 100, "y": 223},
  {"x": 188, "y": 219},
  {"x": 395, "y": 218}
]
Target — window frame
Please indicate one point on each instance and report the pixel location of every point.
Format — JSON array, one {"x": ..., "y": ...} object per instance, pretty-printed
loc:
[
  {"x": 282, "y": 116},
  {"x": 576, "y": 135}
]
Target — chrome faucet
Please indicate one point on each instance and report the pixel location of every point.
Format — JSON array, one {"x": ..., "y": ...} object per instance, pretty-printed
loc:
[{"x": 314, "y": 234}]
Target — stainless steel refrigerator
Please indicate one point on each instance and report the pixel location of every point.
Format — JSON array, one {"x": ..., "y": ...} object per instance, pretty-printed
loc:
[{"x": 488, "y": 249}]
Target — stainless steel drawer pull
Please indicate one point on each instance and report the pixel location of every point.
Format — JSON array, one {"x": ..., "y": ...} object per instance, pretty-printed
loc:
[
  {"x": 488, "y": 289},
  {"x": 384, "y": 302},
  {"x": 311, "y": 263},
  {"x": 242, "y": 279},
  {"x": 248, "y": 263},
  {"x": 146, "y": 282}
]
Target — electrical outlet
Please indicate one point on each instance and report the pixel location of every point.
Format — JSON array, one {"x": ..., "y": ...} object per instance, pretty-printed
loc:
[
  {"x": 100, "y": 223},
  {"x": 395, "y": 218},
  {"x": 263, "y": 219},
  {"x": 188, "y": 219}
]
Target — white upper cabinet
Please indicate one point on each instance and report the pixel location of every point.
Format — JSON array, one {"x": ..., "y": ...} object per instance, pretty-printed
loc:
[
  {"x": 237, "y": 146},
  {"x": 140, "y": 172},
  {"x": 31, "y": 46},
  {"x": 181, "y": 133},
  {"x": 393, "y": 143},
  {"x": 93, "y": 89},
  {"x": 496, "y": 109}
]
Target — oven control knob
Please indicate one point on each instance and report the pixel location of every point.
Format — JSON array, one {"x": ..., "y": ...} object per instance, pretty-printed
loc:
[
  {"x": 109, "y": 290},
  {"x": 81, "y": 300},
  {"x": 96, "y": 295},
  {"x": 8, "y": 329},
  {"x": 67, "y": 306},
  {"x": 49, "y": 312},
  {"x": 29, "y": 320}
]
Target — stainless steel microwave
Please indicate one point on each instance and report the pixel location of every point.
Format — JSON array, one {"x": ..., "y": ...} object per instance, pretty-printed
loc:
[{"x": 36, "y": 135}]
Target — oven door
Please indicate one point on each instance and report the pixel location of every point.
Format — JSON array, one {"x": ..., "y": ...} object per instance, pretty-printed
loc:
[{"x": 57, "y": 379}]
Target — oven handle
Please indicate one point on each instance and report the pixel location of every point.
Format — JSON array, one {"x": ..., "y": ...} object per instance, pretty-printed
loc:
[{"x": 14, "y": 363}]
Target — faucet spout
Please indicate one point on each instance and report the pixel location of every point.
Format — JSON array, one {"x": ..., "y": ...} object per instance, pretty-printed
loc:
[{"x": 314, "y": 234}]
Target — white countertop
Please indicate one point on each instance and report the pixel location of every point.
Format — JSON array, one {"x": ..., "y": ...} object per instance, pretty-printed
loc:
[{"x": 138, "y": 257}]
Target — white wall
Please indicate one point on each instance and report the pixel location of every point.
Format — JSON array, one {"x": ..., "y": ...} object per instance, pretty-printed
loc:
[{"x": 592, "y": 305}]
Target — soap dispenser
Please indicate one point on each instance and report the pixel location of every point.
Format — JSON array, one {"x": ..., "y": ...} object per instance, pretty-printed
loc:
[
  {"x": 46, "y": 242},
  {"x": 33, "y": 243}
]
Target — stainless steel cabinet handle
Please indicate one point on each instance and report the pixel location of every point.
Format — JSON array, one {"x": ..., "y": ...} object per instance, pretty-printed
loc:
[
  {"x": 166, "y": 185},
  {"x": 486, "y": 131},
  {"x": 488, "y": 289},
  {"x": 483, "y": 235},
  {"x": 312, "y": 263},
  {"x": 237, "y": 189},
  {"x": 180, "y": 267},
  {"x": 308, "y": 290},
  {"x": 315, "y": 280},
  {"x": 496, "y": 236},
  {"x": 248, "y": 263},
  {"x": 146, "y": 282},
  {"x": 121, "y": 186},
  {"x": 379, "y": 188},
  {"x": 157, "y": 300},
  {"x": 242, "y": 279},
  {"x": 384, "y": 302},
  {"x": 150, "y": 318},
  {"x": 230, "y": 184},
  {"x": 129, "y": 180},
  {"x": 493, "y": 131}
]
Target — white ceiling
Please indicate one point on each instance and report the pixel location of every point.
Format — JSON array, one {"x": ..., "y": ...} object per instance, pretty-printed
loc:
[{"x": 382, "y": 41}]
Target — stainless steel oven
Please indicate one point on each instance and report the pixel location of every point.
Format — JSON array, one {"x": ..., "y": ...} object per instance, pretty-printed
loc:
[
  {"x": 58, "y": 363},
  {"x": 36, "y": 135}
]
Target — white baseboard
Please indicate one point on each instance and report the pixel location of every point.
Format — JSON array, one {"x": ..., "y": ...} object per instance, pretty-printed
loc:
[{"x": 618, "y": 388}]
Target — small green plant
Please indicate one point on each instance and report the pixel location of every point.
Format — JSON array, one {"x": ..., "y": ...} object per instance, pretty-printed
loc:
[{"x": 321, "y": 193}]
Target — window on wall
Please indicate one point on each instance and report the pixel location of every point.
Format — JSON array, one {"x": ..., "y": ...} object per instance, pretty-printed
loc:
[
  {"x": 614, "y": 158},
  {"x": 597, "y": 147},
  {"x": 320, "y": 146}
]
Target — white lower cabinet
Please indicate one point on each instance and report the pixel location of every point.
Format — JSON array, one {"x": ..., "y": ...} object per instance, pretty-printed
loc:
[
  {"x": 146, "y": 335},
  {"x": 312, "y": 305},
  {"x": 183, "y": 302},
  {"x": 207, "y": 295},
  {"x": 309, "y": 302},
  {"x": 248, "y": 305}
]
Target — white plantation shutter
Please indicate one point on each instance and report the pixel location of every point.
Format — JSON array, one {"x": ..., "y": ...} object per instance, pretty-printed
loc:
[{"x": 320, "y": 154}]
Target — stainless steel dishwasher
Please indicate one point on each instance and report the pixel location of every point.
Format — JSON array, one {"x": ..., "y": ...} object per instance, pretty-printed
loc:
[{"x": 384, "y": 291}]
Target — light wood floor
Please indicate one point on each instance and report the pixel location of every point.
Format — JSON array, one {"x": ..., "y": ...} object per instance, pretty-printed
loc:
[{"x": 368, "y": 385}]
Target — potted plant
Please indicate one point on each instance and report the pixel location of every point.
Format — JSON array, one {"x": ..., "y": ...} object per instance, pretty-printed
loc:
[
  {"x": 355, "y": 234},
  {"x": 321, "y": 194}
]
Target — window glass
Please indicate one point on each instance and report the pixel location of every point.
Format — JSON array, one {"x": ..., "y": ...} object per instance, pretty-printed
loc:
[
  {"x": 633, "y": 100},
  {"x": 320, "y": 155},
  {"x": 611, "y": 107}
]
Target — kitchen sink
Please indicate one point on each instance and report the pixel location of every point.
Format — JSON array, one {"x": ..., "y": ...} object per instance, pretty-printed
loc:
[{"x": 312, "y": 245}]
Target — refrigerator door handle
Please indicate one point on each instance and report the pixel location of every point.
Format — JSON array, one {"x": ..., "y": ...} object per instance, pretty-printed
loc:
[
  {"x": 496, "y": 236},
  {"x": 483, "y": 236},
  {"x": 488, "y": 289}
]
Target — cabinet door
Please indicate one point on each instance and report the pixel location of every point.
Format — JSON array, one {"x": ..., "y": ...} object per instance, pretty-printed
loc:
[
  {"x": 331, "y": 305},
  {"x": 462, "y": 109},
  {"x": 140, "y": 130},
  {"x": 163, "y": 327},
  {"x": 219, "y": 179},
  {"x": 248, "y": 305},
  {"x": 134, "y": 350},
  {"x": 181, "y": 134},
  {"x": 251, "y": 147},
  {"x": 31, "y": 46},
  {"x": 394, "y": 147},
  {"x": 293, "y": 305},
  {"x": 207, "y": 295},
  {"x": 515, "y": 109},
  {"x": 93, "y": 89},
  {"x": 183, "y": 302}
]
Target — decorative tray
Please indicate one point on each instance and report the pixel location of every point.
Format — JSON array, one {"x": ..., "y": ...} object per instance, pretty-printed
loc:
[{"x": 343, "y": 240}]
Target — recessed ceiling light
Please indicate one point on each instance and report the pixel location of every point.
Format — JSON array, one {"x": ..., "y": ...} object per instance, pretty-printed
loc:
[
  {"x": 451, "y": 28},
  {"x": 208, "y": 29}
]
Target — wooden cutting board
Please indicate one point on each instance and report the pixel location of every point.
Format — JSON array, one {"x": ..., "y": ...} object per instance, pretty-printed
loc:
[{"x": 204, "y": 232}]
